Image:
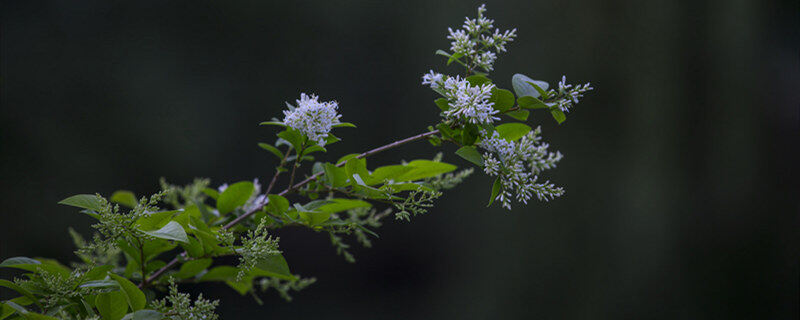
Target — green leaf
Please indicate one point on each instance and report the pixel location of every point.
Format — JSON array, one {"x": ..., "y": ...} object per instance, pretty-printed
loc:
[
  {"x": 99, "y": 284},
  {"x": 125, "y": 198},
  {"x": 170, "y": 231},
  {"x": 513, "y": 131},
  {"x": 271, "y": 149},
  {"x": 6, "y": 310},
  {"x": 540, "y": 86},
  {"x": 112, "y": 305},
  {"x": 425, "y": 169},
  {"x": 274, "y": 266},
  {"x": 312, "y": 217},
  {"x": 344, "y": 125},
  {"x": 522, "y": 87},
  {"x": 220, "y": 273},
  {"x": 478, "y": 79},
  {"x": 192, "y": 268},
  {"x": 296, "y": 138},
  {"x": 272, "y": 123},
  {"x": 470, "y": 154},
  {"x": 443, "y": 53},
  {"x": 502, "y": 99},
  {"x": 558, "y": 115},
  {"x": 447, "y": 132},
  {"x": 20, "y": 290},
  {"x": 277, "y": 205},
  {"x": 389, "y": 173},
  {"x": 356, "y": 166},
  {"x": 442, "y": 104},
  {"x": 144, "y": 315},
  {"x": 454, "y": 57},
  {"x": 214, "y": 194},
  {"x": 338, "y": 205},
  {"x": 529, "y": 102},
  {"x": 314, "y": 148},
  {"x": 521, "y": 115},
  {"x": 155, "y": 220},
  {"x": 33, "y": 265},
  {"x": 133, "y": 295},
  {"x": 24, "y": 312},
  {"x": 469, "y": 134},
  {"x": 234, "y": 196},
  {"x": 346, "y": 157},
  {"x": 84, "y": 201},
  {"x": 336, "y": 176},
  {"x": 97, "y": 273},
  {"x": 495, "y": 190}
]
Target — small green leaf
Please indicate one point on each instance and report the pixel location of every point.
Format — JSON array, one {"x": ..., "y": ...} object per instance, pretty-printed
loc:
[
  {"x": 33, "y": 265},
  {"x": 339, "y": 205},
  {"x": 495, "y": 190},
  {"x": 471, "y": 154},
  {"x": 442, "y": 53},
  {"x": 133, "y": 295},
  {"x": 155, "y": 220},
  {"x": 529, "y": 102},
  {"x": 20, "y": 290},
  {"x": 346, "y": 157},
  {"x": 277, "y": 205},
  {"x": 425, "y": 169},
  {"x": 275, "y": 266},
  {"x": 272, "y": 123},
  {"x": 558, "y": 115},
  {"x": 112, "y": 305},
  {"x": 234, "y": 196},
  {"x": 85, "y": 201},
  {"x": 214, "y": 194},
  {"x": 513, "y": 131},
  {"x": 502, "y": 99},
  {"x": 170, "y": 231},
  {"x": 192, "y": 268},
  {"x": 344, "y": 125},
  {"x": 99, "y": 284},
  {"x": 125, "y": 198},
  {"x": 454, "y": 57},
  {"x": 522, "y": 86},
  {"x": 469, "y": 134},
  {"x": 442, "y": 104},
  {"x": 540, "y": 86},
  {"x": 521, "y": 115},
  {"x": 478, "y": 79},
  {"x": 336, "y": 176},
  {"x": 314, "y": 148},
  {"x": 294, "y": 137},
  {"x": 356, "y": 166},
  {"x": 271, "y": 149},
  {"x": 388, "y": 173}
]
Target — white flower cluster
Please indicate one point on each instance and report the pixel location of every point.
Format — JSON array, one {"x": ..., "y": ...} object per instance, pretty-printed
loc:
[
  {"x": 312, "y": 117},
  {"x": 567, "y": 95},
  {"x": 518, "y": 164},
  {"x": 475, "y": 39},
  {"x": 467, "y": 102}
]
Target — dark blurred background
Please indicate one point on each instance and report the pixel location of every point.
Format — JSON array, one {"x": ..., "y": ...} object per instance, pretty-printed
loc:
[{"x": 680, "y": 168}]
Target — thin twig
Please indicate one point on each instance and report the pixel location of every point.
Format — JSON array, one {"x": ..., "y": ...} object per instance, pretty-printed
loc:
[{"x": 261, "y": 205}]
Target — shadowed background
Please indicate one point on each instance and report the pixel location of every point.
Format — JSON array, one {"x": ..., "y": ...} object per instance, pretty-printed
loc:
[{"x": 680, "y": 199}]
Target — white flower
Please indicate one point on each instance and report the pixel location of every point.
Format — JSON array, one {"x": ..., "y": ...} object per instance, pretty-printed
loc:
[
  {"x": 466, "y": 102},
  {"x": 432, "y": 78},
  {"x": 312, "y": 117},
  {"x": 568, "y": 95},
  {"x": 475, "y": 39},
  {"x": 517, "y": 164}
]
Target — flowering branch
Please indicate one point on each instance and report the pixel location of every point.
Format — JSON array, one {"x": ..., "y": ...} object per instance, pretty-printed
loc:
[{"x": 341, "y": 198}]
